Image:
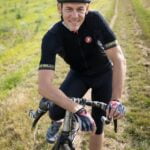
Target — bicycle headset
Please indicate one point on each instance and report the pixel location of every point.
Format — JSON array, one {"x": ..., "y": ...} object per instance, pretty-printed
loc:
[{"x": 71, "y": 1}]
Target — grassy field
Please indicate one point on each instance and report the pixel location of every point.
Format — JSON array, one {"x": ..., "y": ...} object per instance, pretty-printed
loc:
[
  {"x": 142, "y": 12},
  {"x": 138, "y": 81},
  {"x": 22, "y": 26}
]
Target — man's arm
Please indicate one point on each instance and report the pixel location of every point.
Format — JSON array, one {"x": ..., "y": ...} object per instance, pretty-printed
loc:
[
  {"x": 116, "y": 56},
  {"x": 49, "y": 91},
  {"x": 116, "y": 109}
]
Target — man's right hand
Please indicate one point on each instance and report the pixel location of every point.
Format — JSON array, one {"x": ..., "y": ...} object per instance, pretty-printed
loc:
[
  {"x": 85, "y": 120},
  {"x": 45, "y": 104}
]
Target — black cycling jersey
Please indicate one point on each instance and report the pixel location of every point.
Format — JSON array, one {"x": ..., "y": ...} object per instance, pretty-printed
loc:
[{"x": 83, "y": 51}]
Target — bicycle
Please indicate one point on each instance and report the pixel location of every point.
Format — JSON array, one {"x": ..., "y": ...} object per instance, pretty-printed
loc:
[{"x": 66, "y": 137}]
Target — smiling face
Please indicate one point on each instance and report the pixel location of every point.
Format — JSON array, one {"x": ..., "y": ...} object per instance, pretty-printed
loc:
[{"x": 73, "y": 15}]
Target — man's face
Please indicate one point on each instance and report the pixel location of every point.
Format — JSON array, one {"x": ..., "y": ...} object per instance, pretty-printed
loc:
[{"x": 74, "y": 15}]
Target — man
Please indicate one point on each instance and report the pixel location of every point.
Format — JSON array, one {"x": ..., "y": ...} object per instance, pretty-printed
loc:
[{"x": 84, "y": 40}]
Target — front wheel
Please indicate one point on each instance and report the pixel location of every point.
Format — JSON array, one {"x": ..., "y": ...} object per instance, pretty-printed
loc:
[{"x": 63, "y": 147}]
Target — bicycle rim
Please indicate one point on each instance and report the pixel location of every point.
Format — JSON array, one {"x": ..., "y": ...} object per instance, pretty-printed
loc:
[{"x": 65, "y": 147}]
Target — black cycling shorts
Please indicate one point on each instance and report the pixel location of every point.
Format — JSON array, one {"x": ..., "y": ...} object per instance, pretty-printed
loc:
[{"x": 76, "y": 85}]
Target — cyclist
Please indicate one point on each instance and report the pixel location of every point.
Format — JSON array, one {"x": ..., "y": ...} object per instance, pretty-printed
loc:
[{"x": 85, "y": 42}]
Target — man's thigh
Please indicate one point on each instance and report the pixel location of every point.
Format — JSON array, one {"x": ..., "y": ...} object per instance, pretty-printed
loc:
[{"x": 102, "y": 93}]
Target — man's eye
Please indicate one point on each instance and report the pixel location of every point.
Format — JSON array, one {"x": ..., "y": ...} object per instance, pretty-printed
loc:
[
  {"x": 68, "y": 10},
  {"x": 80, "y": 10}
]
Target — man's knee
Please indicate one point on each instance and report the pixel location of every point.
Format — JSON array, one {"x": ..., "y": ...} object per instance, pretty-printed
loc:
[
  {"x": 99, "y": 124},
  {"x": 56, "y": 112},
  {"x": 99, "y": 129}
]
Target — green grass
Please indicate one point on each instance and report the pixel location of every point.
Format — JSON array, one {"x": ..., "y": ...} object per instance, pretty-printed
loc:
[
  {"x": 137, "y": 128},
  {"x": 23, "y": 19},
  {"x": 106, "y": 7},
  {"x": 143, "y": 16},
  {"x": 12, "y": 80},
  {"x": 24, "y": 24}
]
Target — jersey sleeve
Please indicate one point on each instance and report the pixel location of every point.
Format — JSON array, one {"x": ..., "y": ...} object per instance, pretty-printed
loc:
[
  {"x": 106, "y": 35},
  {"x": 48, "y": 52}
]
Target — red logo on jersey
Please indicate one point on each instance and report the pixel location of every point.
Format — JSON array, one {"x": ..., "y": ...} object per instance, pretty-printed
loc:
[{"x": 88, "y": 39}]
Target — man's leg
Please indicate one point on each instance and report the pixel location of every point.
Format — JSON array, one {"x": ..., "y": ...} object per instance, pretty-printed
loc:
[
  {"x": 72, "y": 86},
  {"x": 53, "y": 131},
  {"x": 96, "y": 141},
  {"x": 100, "y": 92}
]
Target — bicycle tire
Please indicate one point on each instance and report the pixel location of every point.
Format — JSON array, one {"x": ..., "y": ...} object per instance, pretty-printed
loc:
[{"x": 65, "y": 147}]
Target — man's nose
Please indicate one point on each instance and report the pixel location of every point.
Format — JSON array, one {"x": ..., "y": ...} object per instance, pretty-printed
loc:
[{"x": 74, "y": 14}]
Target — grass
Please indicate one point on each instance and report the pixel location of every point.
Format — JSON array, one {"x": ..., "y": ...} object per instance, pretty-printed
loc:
[
  {"x": 20, "y": 40},
  {"x": 105, "y": 7},
  {"x": 24, "y": 23},
  {"x": 142, "y": 16},
  {"x": 12, "y": 80},
  {"x": 138, "y": 79}
]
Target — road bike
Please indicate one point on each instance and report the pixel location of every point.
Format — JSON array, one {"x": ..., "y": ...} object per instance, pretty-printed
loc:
[{"x": 67, "y": 134}]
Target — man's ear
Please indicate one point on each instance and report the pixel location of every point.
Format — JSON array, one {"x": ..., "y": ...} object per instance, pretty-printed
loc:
[{"x": 59, "y": 7}]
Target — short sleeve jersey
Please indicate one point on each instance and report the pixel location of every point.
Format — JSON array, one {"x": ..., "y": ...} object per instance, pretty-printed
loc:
[{"x": 83, "y": 51}]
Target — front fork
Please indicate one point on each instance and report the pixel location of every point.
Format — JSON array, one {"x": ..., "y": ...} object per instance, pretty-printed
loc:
[{"x": 65, "y": 136}]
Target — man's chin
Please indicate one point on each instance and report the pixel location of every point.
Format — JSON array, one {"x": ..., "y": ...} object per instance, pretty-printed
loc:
[{"x": 74, "y": 29}]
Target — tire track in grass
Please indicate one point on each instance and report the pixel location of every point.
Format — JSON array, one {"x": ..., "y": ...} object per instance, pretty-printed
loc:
[
  {"x": 113, "y": 19},
  {"x": 138, "y": 82},
  {"x": 129, "y": 34},
  {"x": 114, "y": 140}
]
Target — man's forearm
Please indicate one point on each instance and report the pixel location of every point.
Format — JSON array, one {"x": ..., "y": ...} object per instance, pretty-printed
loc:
[
  {"x": 119, "y": 72},
  {"x": 59, "y": 98}
]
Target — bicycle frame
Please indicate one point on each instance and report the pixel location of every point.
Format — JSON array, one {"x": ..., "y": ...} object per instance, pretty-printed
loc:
[{"x": 64, "y": 141}]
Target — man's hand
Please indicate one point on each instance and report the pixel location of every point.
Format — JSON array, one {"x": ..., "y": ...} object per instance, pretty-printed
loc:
[
  {"x": 115, "y": 110},
  {"x": 85, "y": 120},
  {"x": 45, "y": 104}
]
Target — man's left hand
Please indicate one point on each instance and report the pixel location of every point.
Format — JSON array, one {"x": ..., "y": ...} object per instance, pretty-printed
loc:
[{"x": 115, "y": 110}]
